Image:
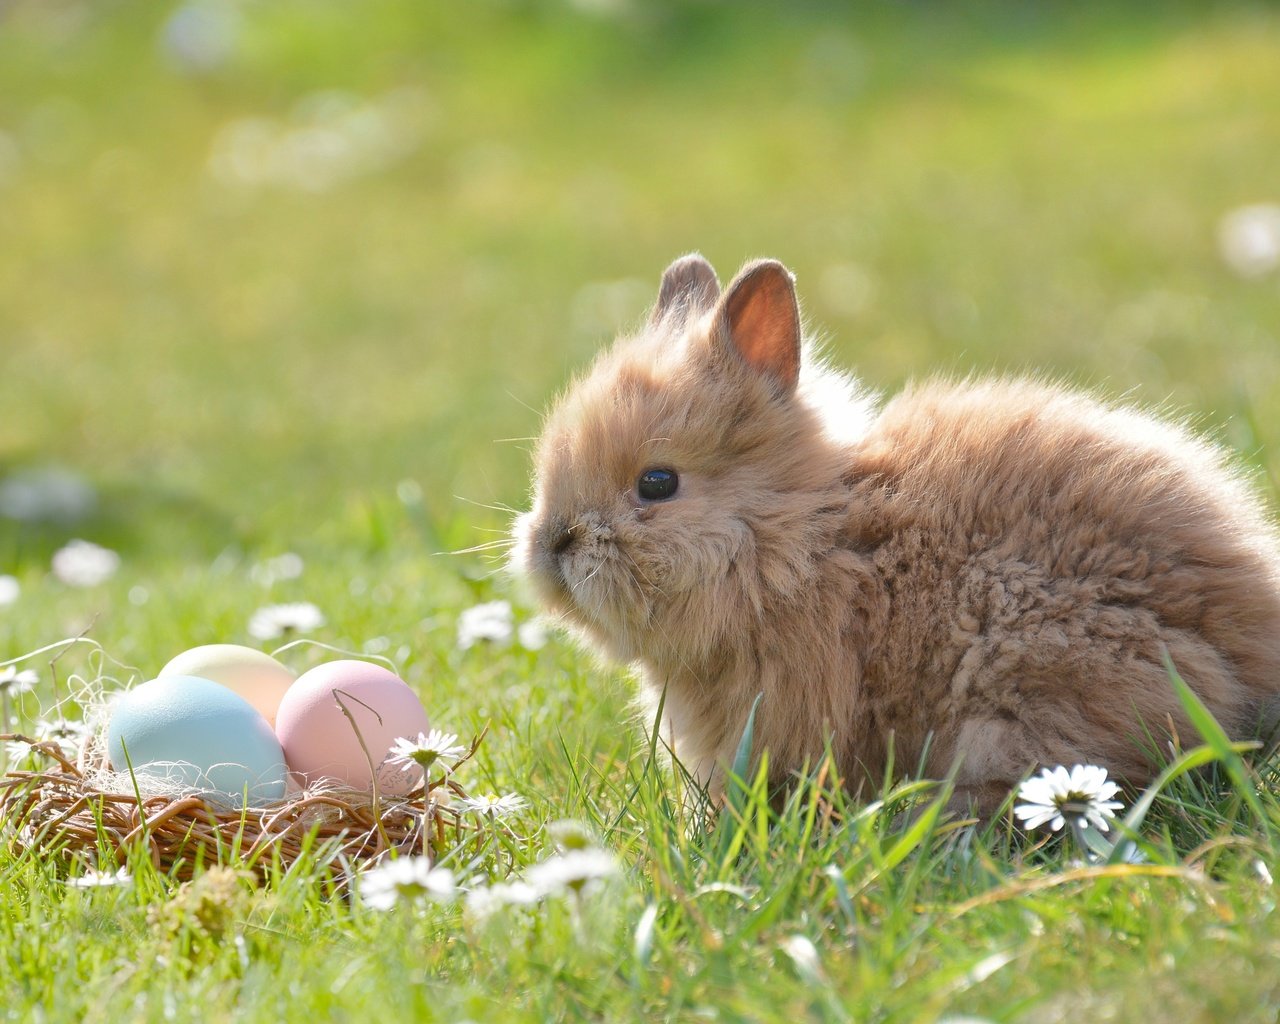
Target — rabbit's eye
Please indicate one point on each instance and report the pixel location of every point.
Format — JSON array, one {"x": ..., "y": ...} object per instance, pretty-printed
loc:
[{"x": 656, "y": 484}]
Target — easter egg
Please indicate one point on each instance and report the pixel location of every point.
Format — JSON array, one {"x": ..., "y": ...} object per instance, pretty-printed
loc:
[
  {"x": 320, "y": 741},
  {"x": 257, "y": 677},
  {"x": 195, "y": 734}
]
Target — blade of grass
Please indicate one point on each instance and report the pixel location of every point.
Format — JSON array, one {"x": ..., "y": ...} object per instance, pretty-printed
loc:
[
  {"x": 742, "y": 756},
  {"x": 732, "y": 825},
  {"x": 1190, "y": 761},
  {"x": 1215, "y": 737}
]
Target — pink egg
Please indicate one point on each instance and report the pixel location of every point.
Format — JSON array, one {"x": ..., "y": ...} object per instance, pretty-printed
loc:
[{"x": 318, "y": 738}]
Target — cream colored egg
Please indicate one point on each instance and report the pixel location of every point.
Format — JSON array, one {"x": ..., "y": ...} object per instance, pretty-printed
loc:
[{"x": 257, "y": 677}]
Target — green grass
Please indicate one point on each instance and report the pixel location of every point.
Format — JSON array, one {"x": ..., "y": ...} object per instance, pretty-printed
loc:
[{"x": 245, "y": 371}]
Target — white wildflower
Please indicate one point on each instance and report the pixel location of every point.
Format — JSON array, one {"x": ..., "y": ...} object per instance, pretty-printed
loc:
[
  {"x": 200, "y": 36},
  {"x": 82, "y": 563},
  {"x": 804, "y": 955},
  {"x": 568, "y": 834},
  {"x": 409, "y": 491},
  {"x": 1129, "y": 854},
  {"x": 333, "y": 137},
  {"x": 9, "y": 590},
  {"x": 492, "y": 621},
  {"x": 273, "y": 621},
  {"x": 13, "y": 757},
  {"x": 1080, "y": 795},
  {"x": 288, "y": 566},
  {"x": 93, "y": 879},
  {"x": 14, "y": 683},
  {"x": 426, "y": 750},
  {"x": 66, "y": 734},
  {"x": 406, "y": 878},
  {"x": 533, "y": 635},
  {"x": 574, "y": 871},
  {"x": 1249, "y": 239},
  {"x": 484, "y": 903},
  {"x": 493, "y": 806}
]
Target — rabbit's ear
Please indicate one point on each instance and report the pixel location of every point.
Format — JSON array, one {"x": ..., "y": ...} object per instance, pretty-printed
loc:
[
  {"x": 760, "y": 319},
  {"x": 689, "y": 288}
]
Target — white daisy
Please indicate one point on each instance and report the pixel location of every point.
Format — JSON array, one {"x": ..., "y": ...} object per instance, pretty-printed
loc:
[
  {"x": 1081, "y": 795},
  {"x": 568, "y": 834},
  {"x": 484, "y": 903},
  {"x": 405, "y": 878},
  {"x": 426, "y": 750},
  {"x": 1249, "y": 239},
  {"x": 14, "y": 683},
  {"x": 574, "y": 871},
  {"x": 273, "y": 621},
  {"x": 1129, "y": 853},
  {"x": 201, "y": 36},
  {"x": 9, "y": 590},
  {"x": 94, "y": 879},
  {"x": 533, "y": 635},
  {"x": 67, "y": 735},
  {"x": 81, "y": 563},
  {"x": 804, "y": 955},
  {"x": 288, "y": 566},
  {"x": 492, "y": 621},
  {"x": 493, "y": 806}
]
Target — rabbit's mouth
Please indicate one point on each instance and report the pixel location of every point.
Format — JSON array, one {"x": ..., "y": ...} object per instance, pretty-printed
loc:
[
  {"x": 581, "y": 560},
  {"x": 580, "y": 571}
]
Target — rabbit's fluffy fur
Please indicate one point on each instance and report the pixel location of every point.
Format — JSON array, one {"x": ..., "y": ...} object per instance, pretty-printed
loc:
[{"x": 982, "y": 574}]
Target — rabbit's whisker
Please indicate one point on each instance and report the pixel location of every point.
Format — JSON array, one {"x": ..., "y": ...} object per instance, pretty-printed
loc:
[
  {"x": 637, "y": 571},
  {"x": 587, "y": 578},
  {"x": 489, "y": 545},
  {"x": 496, "y": 507}
]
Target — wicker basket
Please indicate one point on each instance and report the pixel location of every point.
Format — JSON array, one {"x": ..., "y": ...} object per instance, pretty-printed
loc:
[{"x": 59, "y": 808}]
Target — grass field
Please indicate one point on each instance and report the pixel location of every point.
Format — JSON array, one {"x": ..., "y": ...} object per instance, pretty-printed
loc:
[{"x": 299, "y": 277}]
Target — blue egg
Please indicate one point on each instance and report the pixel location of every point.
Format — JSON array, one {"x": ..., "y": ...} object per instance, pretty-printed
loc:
[{"x": 197, "y": 735}]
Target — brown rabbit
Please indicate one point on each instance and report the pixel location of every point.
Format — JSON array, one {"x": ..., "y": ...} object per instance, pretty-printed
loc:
[{"x": 984, "y": 574}]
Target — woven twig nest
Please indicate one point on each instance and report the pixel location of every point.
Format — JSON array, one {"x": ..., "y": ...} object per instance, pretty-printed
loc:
[{"x": 60, "y": 807}]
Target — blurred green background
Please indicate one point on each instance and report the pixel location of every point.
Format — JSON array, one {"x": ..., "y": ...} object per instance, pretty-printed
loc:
[{"x": 300, "y": 275}]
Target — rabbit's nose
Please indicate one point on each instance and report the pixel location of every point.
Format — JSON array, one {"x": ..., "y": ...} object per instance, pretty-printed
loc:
[{"x": 561, "y": 537}]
